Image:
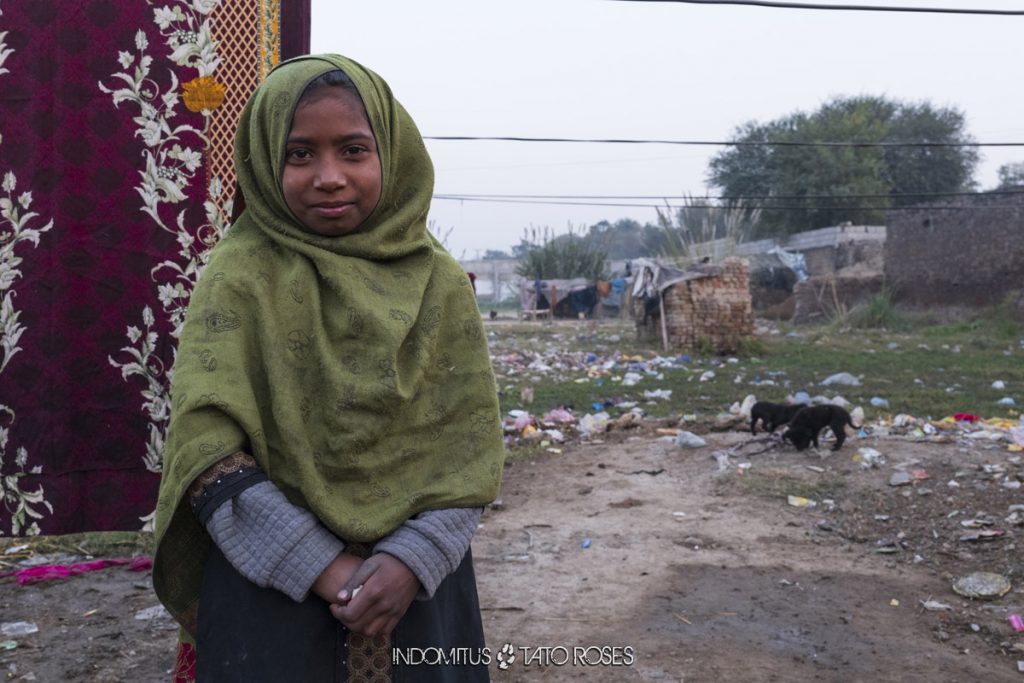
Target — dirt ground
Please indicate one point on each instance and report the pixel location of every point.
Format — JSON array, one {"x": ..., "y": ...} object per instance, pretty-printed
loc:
[{"x": 673, "y": 565}]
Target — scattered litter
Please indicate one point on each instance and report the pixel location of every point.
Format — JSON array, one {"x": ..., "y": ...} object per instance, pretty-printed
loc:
[
  {"x": 800, "y": 501},
  {"x": 841, "y": 378},
  {"x": 935, "y": 605},
  {"x": 558, "y": 415},
  {"x": 999, "y": 384},
  {"x": 689, "y": 440},
  {"x": 879, "y": 402},
  {"x": 658, "y": 393},
  {"x": 13, "y": 629},
  {"x": 592, "y": 424},
  {"x": 523, "y": 421},
  {"x": 708, "y": 375},
  {"x": 16, "y": 549},
  {"x": 8, "y": 644},
  {"x": 868, "y": 457},
  {"x": 154, "y": 612},
  {"x": 900, "y": 478},
  {"x": 857, "y": 415},
  {"x": 526, "y": 395},
  {"x": 1007, "y": 401},
  {"x": 629, "y": 420},
  {"x": 982, "y": 585},
  {"x": 631, "y": 378},
  {"x": 894, "y": 603},
  {"x": 1016, "y": 622},
  {"x": 585, "y": 543},
  {"x": 982, "y": 535}
]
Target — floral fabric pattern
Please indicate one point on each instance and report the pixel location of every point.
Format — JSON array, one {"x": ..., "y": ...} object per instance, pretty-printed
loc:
[{"x": 106, "y": 213}]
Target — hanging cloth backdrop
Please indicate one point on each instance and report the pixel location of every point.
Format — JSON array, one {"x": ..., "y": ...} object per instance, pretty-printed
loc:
[{"x": 116, "y": 123}]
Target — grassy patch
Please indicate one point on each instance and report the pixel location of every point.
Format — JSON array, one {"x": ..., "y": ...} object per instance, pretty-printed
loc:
[
  {"x": 95, "y": 543},
  {"x": 922, "y": 371},
  {"x": 776, "y": 483}
]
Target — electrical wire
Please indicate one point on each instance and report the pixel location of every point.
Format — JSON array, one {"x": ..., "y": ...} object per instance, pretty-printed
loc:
[
  {"x": 896, "y": 195},
  {"x": 848, "y": 8},
  {"x": 717, "y": 143},
  {"x": 552, "y": 202}
]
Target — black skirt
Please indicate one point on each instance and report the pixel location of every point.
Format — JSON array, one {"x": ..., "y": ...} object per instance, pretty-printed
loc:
[{"x": 250, "y": 634}]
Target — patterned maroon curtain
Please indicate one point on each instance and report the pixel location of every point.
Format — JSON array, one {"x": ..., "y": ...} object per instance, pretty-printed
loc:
[{"x": 116, "y": 119}]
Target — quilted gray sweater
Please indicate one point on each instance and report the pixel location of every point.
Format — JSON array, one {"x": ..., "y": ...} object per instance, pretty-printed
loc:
[{"x": 274, "y": 543}]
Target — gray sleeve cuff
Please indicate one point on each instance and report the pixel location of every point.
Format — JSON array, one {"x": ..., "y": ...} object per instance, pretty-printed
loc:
[
  {"x": 432, "y": 544},
  {"x": 272, "y": 542}
]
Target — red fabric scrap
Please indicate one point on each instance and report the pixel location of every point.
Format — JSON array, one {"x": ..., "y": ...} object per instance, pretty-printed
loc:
[
  {"x": 51, "y": 572},
  {"x": 966, "y": 417}
]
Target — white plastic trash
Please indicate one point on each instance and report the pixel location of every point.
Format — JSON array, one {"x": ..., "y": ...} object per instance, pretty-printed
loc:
[
  {"x": 689, "y": 440},
  {"x": 841, "y": 378}
]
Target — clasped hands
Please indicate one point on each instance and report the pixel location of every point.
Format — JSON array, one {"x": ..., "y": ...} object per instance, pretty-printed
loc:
[{"x": 386, "y": 588}]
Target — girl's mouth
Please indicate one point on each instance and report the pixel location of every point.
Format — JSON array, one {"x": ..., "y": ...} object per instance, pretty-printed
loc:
[{"x": 331, "y": 210}]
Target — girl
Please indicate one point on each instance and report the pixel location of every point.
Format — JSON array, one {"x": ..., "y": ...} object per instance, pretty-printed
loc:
[{"x": 335, "y": 427}]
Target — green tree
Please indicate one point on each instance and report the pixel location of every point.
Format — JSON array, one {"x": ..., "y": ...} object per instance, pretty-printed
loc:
[
  {"x": 624, "y": 239},
  {"x": 1011, "y": 176},
  {"x": 563, "y": 257},
  {"x": 788, "y": 177}
]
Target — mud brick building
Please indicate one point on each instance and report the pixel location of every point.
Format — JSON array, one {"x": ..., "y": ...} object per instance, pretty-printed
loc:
[
  {"x": 942, "y": 256},
  {"x": 706, "y": 307}
]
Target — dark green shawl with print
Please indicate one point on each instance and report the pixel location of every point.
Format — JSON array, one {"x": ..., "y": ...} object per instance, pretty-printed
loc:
[{"x": 354, "y": 369}]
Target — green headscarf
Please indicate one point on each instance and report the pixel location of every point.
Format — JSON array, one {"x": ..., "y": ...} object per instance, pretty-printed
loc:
[{"x": 354, "y": 369}]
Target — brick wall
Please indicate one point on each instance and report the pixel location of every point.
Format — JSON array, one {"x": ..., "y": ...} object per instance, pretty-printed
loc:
[
  {"x": 957, "y": 257},
  {"x": 715, "y": 310}
]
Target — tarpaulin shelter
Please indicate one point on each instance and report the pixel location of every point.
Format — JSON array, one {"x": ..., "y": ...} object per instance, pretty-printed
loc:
[
  {"x": 569, "y": 298},
  {"x": 117, "y": 119}
]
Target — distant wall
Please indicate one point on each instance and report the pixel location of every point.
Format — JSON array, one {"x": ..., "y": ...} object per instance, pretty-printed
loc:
[
  {"x": 936, "y": 257},
  {"x": 825, "y": 250}
]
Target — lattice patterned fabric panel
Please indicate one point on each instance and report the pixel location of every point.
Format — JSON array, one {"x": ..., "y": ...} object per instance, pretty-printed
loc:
[{"x": 248, "y": 41}]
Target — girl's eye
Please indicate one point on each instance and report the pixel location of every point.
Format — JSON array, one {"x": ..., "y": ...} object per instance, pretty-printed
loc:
[
  {"x": 298, "y": 154},
  {"x": 354, "y": 150}
]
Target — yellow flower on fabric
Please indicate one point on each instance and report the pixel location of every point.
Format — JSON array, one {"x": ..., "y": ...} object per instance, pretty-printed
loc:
[{"x": 203, "y": 93}]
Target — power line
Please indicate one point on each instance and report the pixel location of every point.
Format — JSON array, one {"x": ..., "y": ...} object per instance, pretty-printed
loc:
[
  {"x": 718, "y": 143},
  {"x": 460, "y": 198},
  {"x": 849, "y": 8},
  {"x": 896, "y": 195}
]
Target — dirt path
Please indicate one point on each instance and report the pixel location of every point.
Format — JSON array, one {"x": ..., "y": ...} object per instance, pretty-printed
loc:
[
  {"x": 707, "y": 582},
  {"x": 692, "y": 573}
]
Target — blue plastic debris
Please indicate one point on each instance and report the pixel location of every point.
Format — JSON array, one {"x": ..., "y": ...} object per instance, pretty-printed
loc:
[
  {"x": 585, "y": 543},
  {"x": 685, "y": 358},
  {"x": 596, "y": 405}
]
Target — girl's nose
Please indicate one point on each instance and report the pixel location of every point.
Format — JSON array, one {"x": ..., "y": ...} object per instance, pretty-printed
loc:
[{"x": 330, "y": 176}]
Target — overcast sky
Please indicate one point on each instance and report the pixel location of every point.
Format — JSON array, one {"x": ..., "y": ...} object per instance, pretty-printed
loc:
[{"x": 606, "y": 69}]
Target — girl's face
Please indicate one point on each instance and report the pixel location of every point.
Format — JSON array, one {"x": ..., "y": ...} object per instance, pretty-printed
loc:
[{"x": 332, "y": 175}]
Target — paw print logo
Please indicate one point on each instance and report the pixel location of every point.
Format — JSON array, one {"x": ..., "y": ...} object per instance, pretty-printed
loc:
[{"x": 506, "y": 656}]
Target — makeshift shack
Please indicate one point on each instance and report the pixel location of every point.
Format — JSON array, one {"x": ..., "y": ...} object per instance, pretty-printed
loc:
[
  {"x": 570, "y": 298},
  {"x": 703, "y": 306}
]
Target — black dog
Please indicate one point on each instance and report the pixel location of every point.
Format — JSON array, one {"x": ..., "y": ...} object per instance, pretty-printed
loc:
[
  {"x": 772, "y": 415},
  {"x": 808, "y": 422}
]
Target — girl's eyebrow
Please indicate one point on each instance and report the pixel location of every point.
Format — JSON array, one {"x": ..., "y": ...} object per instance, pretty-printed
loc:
[{"x": 341, "y": 139}]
